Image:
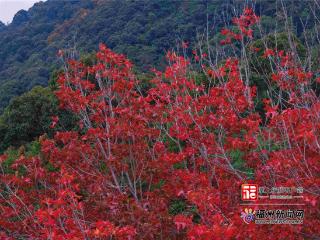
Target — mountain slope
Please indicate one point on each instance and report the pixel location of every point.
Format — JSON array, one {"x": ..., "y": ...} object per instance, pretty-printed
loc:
[
  {"x": 25, "y": 55},
  {"x": 143, "y": 30}
]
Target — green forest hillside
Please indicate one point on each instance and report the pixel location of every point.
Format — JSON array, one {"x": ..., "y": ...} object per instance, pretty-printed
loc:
[{"x": 143, "y": 30}]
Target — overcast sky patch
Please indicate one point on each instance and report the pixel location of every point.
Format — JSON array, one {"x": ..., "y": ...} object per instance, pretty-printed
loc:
[{"x": 8, "y": 8}]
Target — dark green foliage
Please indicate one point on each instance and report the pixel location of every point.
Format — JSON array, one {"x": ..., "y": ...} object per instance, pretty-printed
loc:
[
  {"x": 29, "y": 116},
  {"x": 173, "y": 144},
  {"x": 2, "y": 26},
  {"x": 33, "y": 149},
  {"x": 238, "y": 163},
  {"x": 177, "y": 206},
  {"x": 179, "y": 165},
  {"x": 181, "y": 206},
  {"x": 20, "y": 18},
  {"x": 158, "y": 185},
  {"x": 26, "y": 55},
  {"x": 261, "y": 67},
  {"x": 143, "y": 30},
  {"x": 12, "y": 154}
]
